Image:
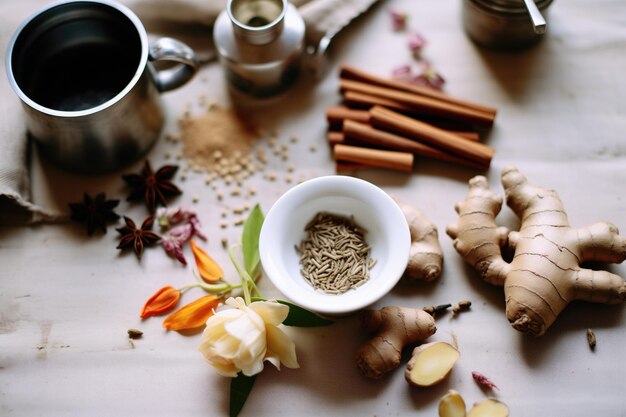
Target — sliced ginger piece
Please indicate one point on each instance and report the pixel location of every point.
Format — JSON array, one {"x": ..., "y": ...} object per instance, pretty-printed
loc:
[
  {"x": 431, "y": 363},
  {"x": 489, "y": 408},
  {"x": 452, "y": 405}
]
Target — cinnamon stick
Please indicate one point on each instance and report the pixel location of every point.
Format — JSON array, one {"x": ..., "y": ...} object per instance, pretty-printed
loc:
[
  {"x": 335, "y": 138},
  {"x": 430, "y": 135},
  {"x": 347, "y": 166},
  {"x": 368, "y": 135},
  {"x": 401, "y": 161},
  {"x": 366, "y": 102},
  {"x": 337, "y": 114},
  {"x": 425, "y": 105},
  {"x": 352, "y": 73}
]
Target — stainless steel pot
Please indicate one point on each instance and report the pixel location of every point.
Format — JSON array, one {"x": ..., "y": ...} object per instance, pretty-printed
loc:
[{"x": 82, "y": 71}]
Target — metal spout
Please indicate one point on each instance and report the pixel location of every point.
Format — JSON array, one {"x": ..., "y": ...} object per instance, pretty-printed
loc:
[{"x": 257, "y": 22}]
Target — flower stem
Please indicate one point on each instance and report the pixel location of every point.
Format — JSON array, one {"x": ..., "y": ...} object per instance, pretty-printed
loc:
[
  {"x": 211, "y": 288},
  {"x": 247, "y": 283}
]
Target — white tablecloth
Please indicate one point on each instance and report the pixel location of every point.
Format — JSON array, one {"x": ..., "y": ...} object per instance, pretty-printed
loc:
[{"x": 66, "y": 301}]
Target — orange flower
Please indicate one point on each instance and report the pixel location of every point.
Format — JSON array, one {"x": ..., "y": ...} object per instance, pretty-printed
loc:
[
  {"x": 163, "y": 300},
  {"x": 208, "y": 269},
  {"x": 192, "y": 315}
]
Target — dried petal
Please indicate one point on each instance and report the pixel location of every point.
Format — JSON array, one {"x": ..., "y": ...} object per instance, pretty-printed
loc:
[
  {"x": 398, "y": 20},
  {"x": 192, "y": 315},
  {"x": 185, "y": 225},
  {"x": 483, "y": 381},
  {"x": 430, "y": 78},
  {"x": 416, "y": 43},
  {"x": 402, "y": 73},
  {"x": 208, "y": 269},
  {"x": 174, "y": 240},
  {"x": 162, "y": 301}
]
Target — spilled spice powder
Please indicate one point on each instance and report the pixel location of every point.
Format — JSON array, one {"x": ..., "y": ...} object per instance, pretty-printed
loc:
[{"x": 218, "y": 141}]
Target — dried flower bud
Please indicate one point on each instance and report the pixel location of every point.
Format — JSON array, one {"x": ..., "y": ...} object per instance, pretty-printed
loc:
[
  {"x": 430, "y": 78},
  {"x": 416, "y": 43},
  {"x": 398, "y": 20},
  {"x": 483, "y": 381},
  {"x": 401, "y": 73}
]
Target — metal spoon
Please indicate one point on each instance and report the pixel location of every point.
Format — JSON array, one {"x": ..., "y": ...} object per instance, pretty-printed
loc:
[{"x": 539, "y": 23}]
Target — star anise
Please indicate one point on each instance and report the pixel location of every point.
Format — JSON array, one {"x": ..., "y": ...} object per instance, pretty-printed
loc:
[
  {"x": 94, "y": 212},
  {"x": 137, "y": 238},
  {"x": 154, "y": 187}
]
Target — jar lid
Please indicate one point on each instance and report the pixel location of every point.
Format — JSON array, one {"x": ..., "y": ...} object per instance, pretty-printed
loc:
[{"x": 510, "y": 6}]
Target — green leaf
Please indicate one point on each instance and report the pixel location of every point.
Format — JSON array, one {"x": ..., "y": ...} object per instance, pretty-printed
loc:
[
  {"x": 250, "y": 240},
  {"x": 240, "y": 388},
  {"x": 300, "y": 317}
]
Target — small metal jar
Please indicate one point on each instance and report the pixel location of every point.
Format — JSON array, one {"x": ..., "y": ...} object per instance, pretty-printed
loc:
[
  {"x": 260, "y": 45},
  {"x": 501, "y": 24}
]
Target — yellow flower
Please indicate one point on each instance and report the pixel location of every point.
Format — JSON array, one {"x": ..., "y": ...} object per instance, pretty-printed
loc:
[{"x": 240, "y": 337}]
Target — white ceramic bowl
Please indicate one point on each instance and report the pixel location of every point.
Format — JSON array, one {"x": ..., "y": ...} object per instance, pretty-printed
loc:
[{"x": 387, "y": 234}]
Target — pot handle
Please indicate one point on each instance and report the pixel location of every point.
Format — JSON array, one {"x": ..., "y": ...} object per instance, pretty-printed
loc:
[{"x": 168, "y": 49}]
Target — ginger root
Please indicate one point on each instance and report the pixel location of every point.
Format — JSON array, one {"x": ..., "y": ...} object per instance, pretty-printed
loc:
[
  {"x": 431, "y": 363},
  {"x": 426, "y": 256},
  {"x": 544, "y": 275},
  {"x": 489, "y": 408},
  {"x": 394, "y": 328},
  {"x": 452, "y": 405}
]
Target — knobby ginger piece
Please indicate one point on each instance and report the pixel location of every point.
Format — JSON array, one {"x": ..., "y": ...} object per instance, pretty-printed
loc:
[
  {"x": 545, "y": 273},
  {"x": 431, "y": 363},
  {"x": 426, "y": 256},
  {"x": 393, "y": 328}
]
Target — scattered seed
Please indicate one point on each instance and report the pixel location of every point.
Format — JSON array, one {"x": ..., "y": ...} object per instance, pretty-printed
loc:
[
  {"x": 335, "y": 256},
  {"x": 436, "y": 310},
  {"x": 591, "y": 339},
  {"x": 224, "y": 243},
  {"x": 238, "y": 222},
  {"x": 312, "y": 148},
  {"x": 135, "y": 333},
  {"x": 195, "y": 199},
  {"x": 461, "y": 306},
  {"x": 223, "y": 224}
]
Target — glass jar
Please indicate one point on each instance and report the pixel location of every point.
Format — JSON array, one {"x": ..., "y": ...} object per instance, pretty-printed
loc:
[{"x": 501, "y": 24}]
